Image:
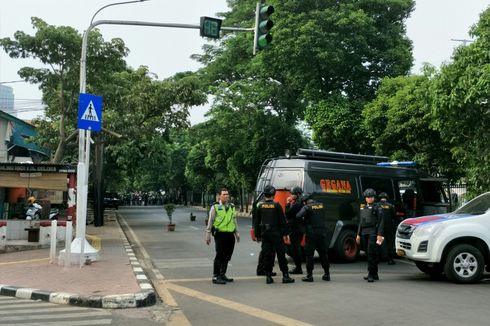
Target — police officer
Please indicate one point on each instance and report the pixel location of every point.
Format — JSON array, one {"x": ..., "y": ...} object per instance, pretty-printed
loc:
[
  {"x": 270, "y": 228},
  {"x": 293, "y": 206},
  {"x": 371, "y": 229},
  {"x": 261, "y": 262},
  {"x": 223, "y": 225},
  {"x": 389, "y": 216},
  {"x": 314, "y": 216}
]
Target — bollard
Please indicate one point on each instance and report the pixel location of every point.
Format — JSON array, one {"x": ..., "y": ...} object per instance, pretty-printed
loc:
[
  {"x": 68, "y": 243},
  {"x": 52, "y": 252}
]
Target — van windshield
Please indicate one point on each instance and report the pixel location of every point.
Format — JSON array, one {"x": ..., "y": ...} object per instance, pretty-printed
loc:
[
  {"x": 477, "y": 206},
  {"x": 287, "y": 178}
]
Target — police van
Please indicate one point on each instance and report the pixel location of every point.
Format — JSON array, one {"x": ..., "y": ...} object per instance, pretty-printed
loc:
[{"x": 338, "y": 180}]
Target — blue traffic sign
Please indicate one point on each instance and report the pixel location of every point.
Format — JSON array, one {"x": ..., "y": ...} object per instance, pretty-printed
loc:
[{"x": 90, "y": 112}]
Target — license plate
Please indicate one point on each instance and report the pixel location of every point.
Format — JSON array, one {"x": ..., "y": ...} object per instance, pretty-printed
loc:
[{"x": 400, "y": 252}]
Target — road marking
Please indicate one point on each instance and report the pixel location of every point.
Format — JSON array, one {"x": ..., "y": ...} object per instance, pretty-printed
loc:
[
  {"x": 242, "y": 308},
  {"x": 58, "y": 316},
  {"x": 31, "y": 311},
  {"x": 23, "y": 261},
  {"x": 25, "y": 305},
  {"x": 67, "y": 323}
]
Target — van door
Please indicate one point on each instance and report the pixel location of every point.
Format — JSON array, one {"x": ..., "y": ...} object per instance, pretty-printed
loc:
[{"x": 433, "y": 198}]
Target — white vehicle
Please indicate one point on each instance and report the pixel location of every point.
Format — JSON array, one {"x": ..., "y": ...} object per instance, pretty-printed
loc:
[{"x": 456, "y": 244}]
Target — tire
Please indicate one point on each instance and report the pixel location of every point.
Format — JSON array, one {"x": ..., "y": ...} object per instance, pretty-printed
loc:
[
  {"x": 432, "y": 269},
  {"x": 346, "y": 248},
  {"x": 464, "y": 264}
]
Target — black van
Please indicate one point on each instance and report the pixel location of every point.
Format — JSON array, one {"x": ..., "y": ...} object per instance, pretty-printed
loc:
[{"x": 338, "y": 180}]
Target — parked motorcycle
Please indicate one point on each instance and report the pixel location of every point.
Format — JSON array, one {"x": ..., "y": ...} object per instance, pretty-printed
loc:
[{"x": 33, "y": 211}]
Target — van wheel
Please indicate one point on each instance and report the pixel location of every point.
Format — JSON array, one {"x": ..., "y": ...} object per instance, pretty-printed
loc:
[
  {"x": 346, "y": 249},
  {"x": 434, "y": 270},
  {"x": 464, "y": 264}
]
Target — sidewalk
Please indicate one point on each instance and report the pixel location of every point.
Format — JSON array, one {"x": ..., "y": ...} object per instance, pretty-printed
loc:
[{"x": 115, "y": 280}]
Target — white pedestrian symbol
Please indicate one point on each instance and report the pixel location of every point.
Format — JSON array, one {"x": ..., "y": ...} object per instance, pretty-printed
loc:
[{"x": 90, "y": 113}]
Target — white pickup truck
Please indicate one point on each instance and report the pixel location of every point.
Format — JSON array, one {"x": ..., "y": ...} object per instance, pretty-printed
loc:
[{"x": 456, "y": 244}]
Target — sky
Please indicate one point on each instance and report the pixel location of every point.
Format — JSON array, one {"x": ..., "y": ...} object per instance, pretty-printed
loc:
[{"x": 431, "y": 27}]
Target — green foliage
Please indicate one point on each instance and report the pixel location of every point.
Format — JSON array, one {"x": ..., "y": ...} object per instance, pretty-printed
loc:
[
  {"x": 58, "y": 49},
  {"x": 461, "y": 105},
  {"x": 399, "y": 123}
]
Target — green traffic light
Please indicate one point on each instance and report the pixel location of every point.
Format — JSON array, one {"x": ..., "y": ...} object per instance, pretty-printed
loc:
[
  {"x": 266, "y": 11},
  {"x": 264, "y": 41}
]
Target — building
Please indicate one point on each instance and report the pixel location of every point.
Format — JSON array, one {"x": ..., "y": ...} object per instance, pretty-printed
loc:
[
  {"x": 14, "y": 144},
  {"x": 6, "y": 99}
]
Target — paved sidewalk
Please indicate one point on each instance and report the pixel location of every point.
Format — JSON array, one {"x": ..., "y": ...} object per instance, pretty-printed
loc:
[{"x": 116, "y": 280}]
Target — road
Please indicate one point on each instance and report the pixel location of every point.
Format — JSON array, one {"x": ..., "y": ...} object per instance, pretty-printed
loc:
[{"x": 180, "y": 264}]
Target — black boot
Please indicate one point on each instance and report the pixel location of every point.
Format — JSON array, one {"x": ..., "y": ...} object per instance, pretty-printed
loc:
[
  {"x": 286, "y": 278},
  {"x": 375, "y": 277},
  {"x": 218, "y": 280},
  {"x": 307, "y": 278},
  {"x": 268, "y": 278},
  {"x": 224, "y": 267},
  {"x": 326, "y": 276}
]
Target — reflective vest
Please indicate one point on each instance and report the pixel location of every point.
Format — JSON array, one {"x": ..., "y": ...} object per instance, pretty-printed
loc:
[{"x": 224, "y": 220}]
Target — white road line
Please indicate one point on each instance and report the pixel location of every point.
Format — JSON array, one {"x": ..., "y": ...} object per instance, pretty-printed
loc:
[
  {"x": 57, "y": 316},
  {"x": 25, "y": 305},
  {"x": 44, "y": 310},
  {"x": 67, "y": 323}
]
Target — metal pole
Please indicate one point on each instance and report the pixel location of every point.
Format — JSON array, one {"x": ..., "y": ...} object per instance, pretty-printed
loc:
[{"x": 68, "y": 236}]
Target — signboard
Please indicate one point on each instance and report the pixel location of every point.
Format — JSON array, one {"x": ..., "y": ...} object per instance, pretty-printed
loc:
[
  {"x": 90, "y": 112},
  {"x": 210, "y": 27}
]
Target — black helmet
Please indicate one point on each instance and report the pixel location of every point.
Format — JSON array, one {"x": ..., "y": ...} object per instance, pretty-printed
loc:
[
  {"x": 297, "y": 190},
  {"x": 383, "y": 195},
  {"x": 369, "y": 192},
  {"x": 269, "y": 190}
]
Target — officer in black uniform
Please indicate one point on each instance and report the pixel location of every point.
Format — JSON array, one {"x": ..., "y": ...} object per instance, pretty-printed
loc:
[
  {"x": 371, "y": 229},
  {"x": 293, "y": 206},
  {"x": 314, "y": 216},
  {"x": 389, "y": 216},
  {"x": 261, "y": 263},
  {"x": 270, "y": 228}
]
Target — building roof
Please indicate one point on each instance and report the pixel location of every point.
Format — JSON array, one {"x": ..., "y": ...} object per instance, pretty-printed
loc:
[{"x": 21, "y": 131}]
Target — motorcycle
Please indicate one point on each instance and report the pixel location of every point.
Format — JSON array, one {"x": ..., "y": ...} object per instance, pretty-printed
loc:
[
  {"x": 54, "y": 213},
  {"x": 33, "y": 212}
]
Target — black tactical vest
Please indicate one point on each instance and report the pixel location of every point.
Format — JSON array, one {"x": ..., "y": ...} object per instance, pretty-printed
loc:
[
  {"x": 368, "y": 219},
  {"x": 268, "y": 214},
  {"x": 316, "y": 215}
]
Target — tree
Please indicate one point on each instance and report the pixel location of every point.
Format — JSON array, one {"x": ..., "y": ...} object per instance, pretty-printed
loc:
[
  {"x": 462, "y": 105},
  {"x": 59, "y": 48},
  {"x": 399, "y": 124},
  {"x": 327, "y": 58}
]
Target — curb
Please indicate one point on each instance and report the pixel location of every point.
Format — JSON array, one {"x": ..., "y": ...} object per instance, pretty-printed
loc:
[
  {"x": 144, "y": 298},
  {"x": 131, "y": 300}
]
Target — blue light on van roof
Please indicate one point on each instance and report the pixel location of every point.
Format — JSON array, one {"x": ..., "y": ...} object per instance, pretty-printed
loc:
[{"x": 408, "y": 164}]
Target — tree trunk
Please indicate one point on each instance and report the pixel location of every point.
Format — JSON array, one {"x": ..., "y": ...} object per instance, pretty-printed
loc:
[{"x": 60, "y": 150}]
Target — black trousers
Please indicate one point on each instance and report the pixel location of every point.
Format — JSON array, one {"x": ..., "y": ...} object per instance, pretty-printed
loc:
[
  {"x": 316, "y": 241},
  {"x": 261, "y": 262},
  {"x": 224, "y": 244},
  {"x": 369, "y": 241},
  {"x": 295, "y": 237},
  {"x": 272, "y": 243}
]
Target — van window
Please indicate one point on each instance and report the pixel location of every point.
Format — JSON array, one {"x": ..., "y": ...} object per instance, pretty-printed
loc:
[
  {"x": 287, "y": 178},
  {"x": 379, "y": 185},
  {"x": 433, "y": 192}
]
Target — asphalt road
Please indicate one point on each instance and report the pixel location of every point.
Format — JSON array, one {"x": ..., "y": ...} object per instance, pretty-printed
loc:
[{"x": 182, "y": 268}]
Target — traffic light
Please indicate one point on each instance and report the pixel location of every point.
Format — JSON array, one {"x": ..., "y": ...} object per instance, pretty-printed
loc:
[{"x": 263, "y": 25}]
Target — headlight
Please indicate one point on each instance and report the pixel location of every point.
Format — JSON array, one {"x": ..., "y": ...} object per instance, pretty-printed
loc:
[{"x": 431, "y": 229}]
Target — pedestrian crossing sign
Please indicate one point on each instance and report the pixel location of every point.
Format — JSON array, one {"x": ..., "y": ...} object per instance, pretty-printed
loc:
[{"x": 90, "y": 112}]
